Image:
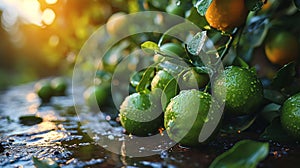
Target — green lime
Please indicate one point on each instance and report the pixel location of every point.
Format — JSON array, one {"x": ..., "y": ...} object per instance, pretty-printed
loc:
[
  {"x": 290, "y": 115},
  {"x": 160, "y": 80},
  {"x": 159, "y": 83},
  {"x": 175, "y": 10},
  {"x": 173, "y": 49},
  {"x": 59, "y": 85},
  {"x": 141, "y": 114},
  {"x": 186, "y": 115},
  {"x": 193, "y": 80},
  {"x": 96, "y": 96},
  {"x": 244, "y": 91},
  {"x": 44, "y": 90}
]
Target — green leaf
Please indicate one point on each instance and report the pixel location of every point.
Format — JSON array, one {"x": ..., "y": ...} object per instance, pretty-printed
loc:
[
  {"x": 284, "y": 76},
  {"x": 203, "y": 69},
  {"x": 178, "y": 32},
  {"x": 195, "y": 45},
  {"x": 276, "y": 133},
  {"x": 169, "y": 92},
  {"x": 244, "y": 154},
  {"x": 237, "y": 124},
  {"x": 274, "y": 96},
  {"x": 254, "y": 5},
  {"x": 146, "y": 79},
  {"x": 150, "y": 47},
  {"x": 292, "y": 89},
  {"x": 256, "y": 31},
  {"x": 135, "y": 78},
  {"x": 174, "y": 67},
  {"x": 240, "y": 62},
  {"x": 202, "y": 6},
  {"x": 45, "y": 163},
  {"x": 196, "y": 18},
  {"x": 133, "y": 6},
  {"x": 270, "y": 112},
  {"x": 158, "y": 4}
]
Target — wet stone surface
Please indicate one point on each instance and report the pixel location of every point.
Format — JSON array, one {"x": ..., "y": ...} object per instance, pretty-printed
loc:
[{"x": 56, "y": 131}]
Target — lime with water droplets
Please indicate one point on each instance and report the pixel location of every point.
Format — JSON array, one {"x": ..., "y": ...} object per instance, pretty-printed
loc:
[
  {"x": 160, "y": 80},
  {"x": 193, "y": 80},
  {"x": 186, "y": 115},
  {"x": 290, "y": 115},
  {"x": 241, "y": 90},
  {"x": 159, "y": 83},
  {"x": 141, "y": 114}
]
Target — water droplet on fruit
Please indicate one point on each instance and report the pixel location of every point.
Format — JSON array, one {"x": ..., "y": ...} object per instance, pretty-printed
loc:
[
  {"x": 111, "y": 137},
  {"x": 164, "y": 154}
]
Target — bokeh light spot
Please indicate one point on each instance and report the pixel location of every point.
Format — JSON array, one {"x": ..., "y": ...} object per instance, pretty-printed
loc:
[
  {"x": 48, "y": 16},
  {"x": 50, "y": 2},
  {"x": 53, "y": 40}
]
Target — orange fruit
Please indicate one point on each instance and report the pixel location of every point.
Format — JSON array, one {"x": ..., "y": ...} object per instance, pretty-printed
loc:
[
  {"x": 267, "y": 6},
  {"x": 281, "y": 47},
  {"x": 225, "y": 15}
]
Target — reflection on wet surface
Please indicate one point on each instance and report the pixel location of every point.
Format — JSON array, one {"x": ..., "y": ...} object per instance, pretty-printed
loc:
[{"x": 60, "y": 135}]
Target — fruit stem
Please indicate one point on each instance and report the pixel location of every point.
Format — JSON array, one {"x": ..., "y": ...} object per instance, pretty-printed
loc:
[{"x": 229, "y": 43}]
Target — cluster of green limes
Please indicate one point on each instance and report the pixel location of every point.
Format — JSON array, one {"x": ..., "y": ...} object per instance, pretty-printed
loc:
[
  {"x": 187, "y": 111},
  {"x": 47, "y": 88},
  {"x": 183, "y": 102}
]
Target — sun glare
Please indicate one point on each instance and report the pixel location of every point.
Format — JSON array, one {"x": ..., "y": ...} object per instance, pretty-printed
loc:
[
  {"x": 50, "y": 2},
  {"x": 28, "y": 11},
  {"x": 48, "y": 16}
]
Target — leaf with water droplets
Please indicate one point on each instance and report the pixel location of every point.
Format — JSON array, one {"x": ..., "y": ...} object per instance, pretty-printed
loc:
[
  {"x": 195, "y": 45},
  {"x": 202, "y": 6}
]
